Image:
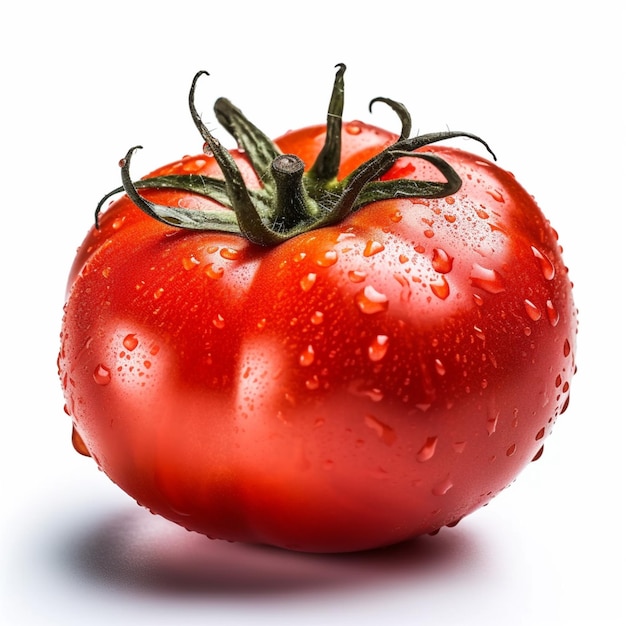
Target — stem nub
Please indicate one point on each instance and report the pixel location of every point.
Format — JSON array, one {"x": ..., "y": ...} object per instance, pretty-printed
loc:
[{"x": 291, "y": 201}]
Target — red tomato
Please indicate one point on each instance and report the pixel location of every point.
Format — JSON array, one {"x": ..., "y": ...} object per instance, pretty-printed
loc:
[{"x": 351, "y": 386}]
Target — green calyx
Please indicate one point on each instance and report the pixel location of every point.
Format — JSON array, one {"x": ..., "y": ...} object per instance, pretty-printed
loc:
[{"x": 291, "y": 201}]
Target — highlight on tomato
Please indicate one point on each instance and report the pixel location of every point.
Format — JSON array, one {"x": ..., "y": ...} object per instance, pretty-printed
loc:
[{"x": 334, "y": 341}]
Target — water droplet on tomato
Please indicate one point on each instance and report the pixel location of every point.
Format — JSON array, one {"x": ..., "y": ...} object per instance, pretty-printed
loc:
[
  {"x": 230, "y": 254},
  {"x": 213, "y": 271},
  {"x": 439, "y": 367},
  {"x": 488, "y": 280},
  {"x": 357, "y": 276},
  {"x": 378, "y": 348},
  {"x": 427, "y": 451},
  {"x": 312, "y": 383},
  {"x": 317, "y": 318},
  {"x": 78, "y": 443},
  {"x": 492, "y": 423},
  {"x": 540, "y": 434},
  {"x": 102, "y": 375},
  {"x": 459, "y": 446},
  {"x": 479, "y": 333},
  {"x": 371, "y": 301},
  {"x": 384, "y": 432},
  {"x": 547, "y": 267},
  {"x": 219, "y": 322},
  {"x": 118, "y": 222},
  {"x": 353, "y": 128},
  {"x": 307, "y": 282},
  {"x": 442, "y": 261},
  {"x": 566, "y": 348},
  {"x": 190, "y": 262},
  {"x": 373, "y": 247},
  {"x": 429, "y": 232},
  {"x": 440, "y": 288},
  {"x": 158, "y": 293},
  {"x": 327, "y": 258},
  {"x": 307, "y": 356},
  {"x": 482, "y": 214},
  {"x": 442, "y": 488},
  {"x": 553, "y": 314},
  {"x": 532, "y": 310},
  {"x": 538, "y": 455},
  {"x": 496, "y": 195},
  {"x": 130, "y": 342},
  {"x": 511, "y": 450}
]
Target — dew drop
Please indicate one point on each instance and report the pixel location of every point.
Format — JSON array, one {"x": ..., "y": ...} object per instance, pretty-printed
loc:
[
  {"x": 429, "y": 232},
  {"x": 130, "y": 342},
  {"x": 190, "y": 262},
  {"x": 384, "y": 432},
  {"x": 511, "y": 450},
  {"x": 371, "y": 301},
  {"x": 78, "y": 443},
  {"x": 158, "y": 293},
  {"x": 547, "y": 267},
  {"x": 307, "y": 282},
  {"x": 492, "y": 424},
  {"x": 427, "y": 451},
  {"x": 532, "y": 310},
  {"x": 378, "y": 348},
  {"x": 312, "y": 383},
  {"x": 219, "y": 322},
  {"x": 307, "y": 356},
  {"x": 538, "y": 455},
  {"x": 440, "y": 288},
  {"x": 479, "y": 333},
  {"x": 566, "y": 348},
  {"x": 327, "y": 259},
  {"x": 439, "y": 367},
  {"x": 553, "y": 314},
  {"x": 442, "y": 488},
  {"x": 353, "y": 128},
  {"x": 482, "y": 214},
  {"x": 102, "y": 375},
  {"x": 373, "y": 247},
  {"x": 442, "y": 261},
  {"x": 357, "y": 276},
  {"x": 486, "y": 279},
  {"x": 214, "y": 272},
  {"x": 540, "y": 434},
  {"x": 118, "y": 222},
  {"x": 496, "y": 195},
  {"x": 317, "y": 318},
  {"x": 230, "y": 254},
  {"x": 459, "y": 446}
]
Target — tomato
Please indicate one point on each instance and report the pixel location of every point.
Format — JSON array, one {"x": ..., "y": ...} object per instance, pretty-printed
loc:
[{"x": 322, "y": 384}]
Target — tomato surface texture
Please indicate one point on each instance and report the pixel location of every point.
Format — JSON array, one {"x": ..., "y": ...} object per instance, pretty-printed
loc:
[{"x": 352, "y": 386}]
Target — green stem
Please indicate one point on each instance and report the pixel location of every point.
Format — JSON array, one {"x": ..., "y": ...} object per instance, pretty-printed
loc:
[{"x": 290, "y": 201}]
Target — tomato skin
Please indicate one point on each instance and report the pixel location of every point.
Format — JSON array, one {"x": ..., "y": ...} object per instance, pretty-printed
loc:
[{"x": 353, "y": 387}]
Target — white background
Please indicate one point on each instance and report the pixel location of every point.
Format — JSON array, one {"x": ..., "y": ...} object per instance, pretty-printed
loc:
[{"x": 82, "y": 82}]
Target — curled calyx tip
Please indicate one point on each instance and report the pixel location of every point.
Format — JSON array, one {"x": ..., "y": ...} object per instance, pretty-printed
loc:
[{"x": 289, "y": 203}]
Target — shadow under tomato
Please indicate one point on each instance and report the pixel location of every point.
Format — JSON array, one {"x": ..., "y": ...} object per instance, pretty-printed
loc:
[{"x": 144, "y": 553}]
